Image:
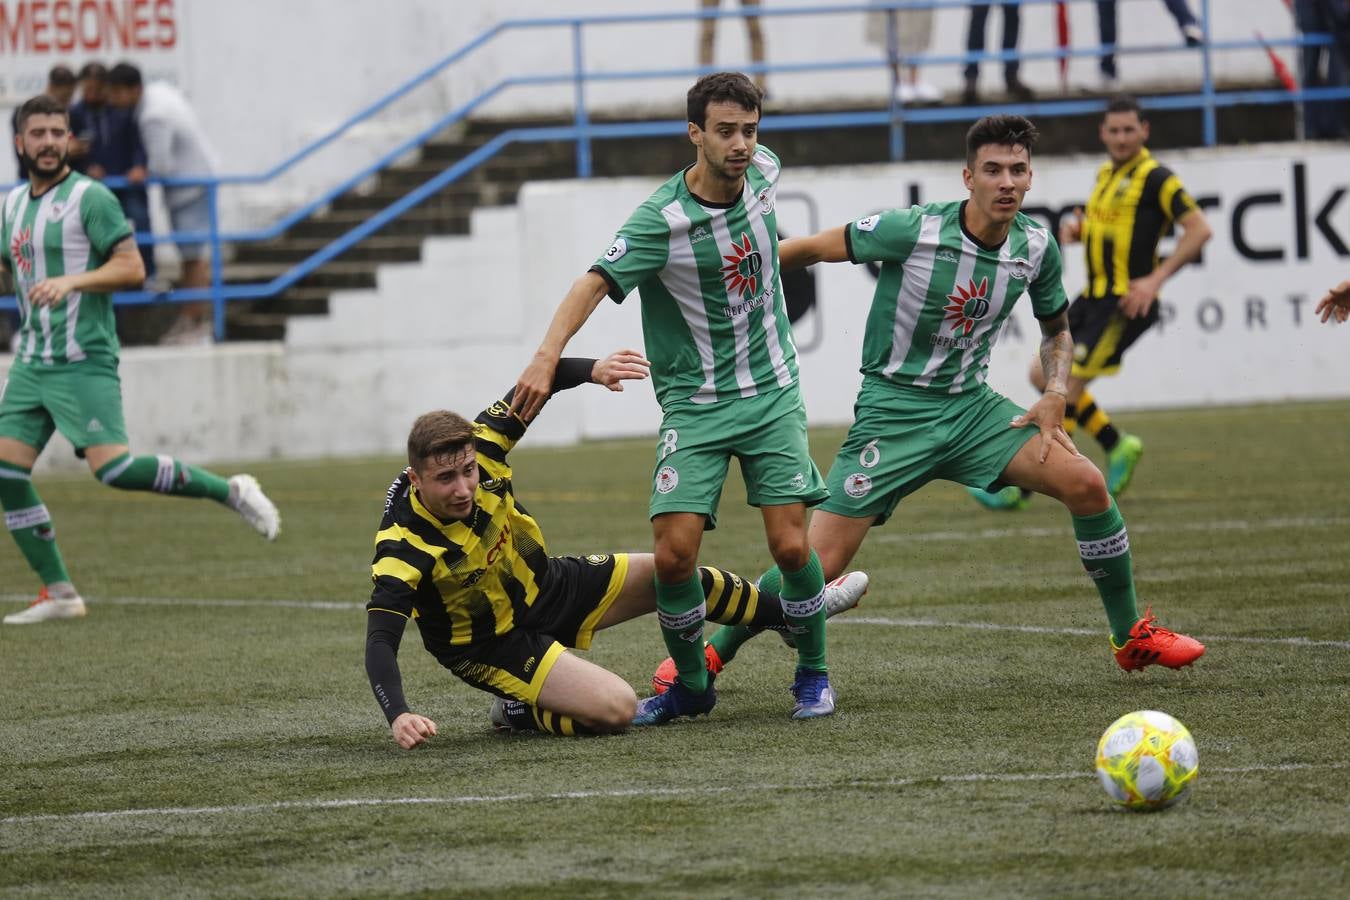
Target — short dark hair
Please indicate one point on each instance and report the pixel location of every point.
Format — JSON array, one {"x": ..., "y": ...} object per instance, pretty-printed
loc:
[
  {"x": 722, "y": 87},
  {"x": 61, "y": 76},
  {"x": 438, "y": 433},
  {"x": 1010, "y": 131},
  {"x": 1121, "y": 103},
  {"x": 96, "y": 71},
  {"x": 41, "y": 105},
  {"x": 124, "y": 74}
]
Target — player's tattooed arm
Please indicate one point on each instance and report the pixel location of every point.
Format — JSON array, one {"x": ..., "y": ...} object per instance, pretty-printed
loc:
[
  {"x": 1047, "y": 413},
  {"x": 1056, "y": 354}
]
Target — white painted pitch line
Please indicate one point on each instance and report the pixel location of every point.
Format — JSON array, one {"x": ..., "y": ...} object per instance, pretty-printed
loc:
[
  {"x": 1043, "y": 629},
  {"x": 983, "y": 534},
  {"x": 613, "y": 794},
  {"x": 880, "y": 621}
]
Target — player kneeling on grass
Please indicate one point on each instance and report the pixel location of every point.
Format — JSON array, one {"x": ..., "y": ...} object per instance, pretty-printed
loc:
[
  {"x": 456, "y": 552},
  {"x": 950, "y": 276}
]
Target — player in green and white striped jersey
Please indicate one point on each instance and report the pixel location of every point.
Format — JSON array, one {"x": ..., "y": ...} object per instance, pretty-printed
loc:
[
  {"x": 65, "y": 240},
  {"x": 703, "y": 254},
  {"x": 950, "y": 275}
]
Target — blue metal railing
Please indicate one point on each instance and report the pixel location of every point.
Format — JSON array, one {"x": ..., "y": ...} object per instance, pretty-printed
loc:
[{"x": 582, "y": 131}]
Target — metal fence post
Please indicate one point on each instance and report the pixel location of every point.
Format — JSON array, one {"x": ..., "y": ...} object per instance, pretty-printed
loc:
[
  {"x": 1211, "y": 120},
  {"x": 579, "y": 76},
  {"x": 217, "y": 263}
]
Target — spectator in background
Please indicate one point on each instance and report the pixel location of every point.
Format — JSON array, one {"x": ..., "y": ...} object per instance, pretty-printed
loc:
[
  {"x": 61, "y": 88},
  {"x": 116, "y": 151},
  {"x": 175, "y": 147},
  {"x": 904, "y": 34},
  {"x": 1324, "y": 66},
  {"x": 707, "y": 36},
  {"x": 1191, "y": 33},
  {"x": 1012, "y": 20}
]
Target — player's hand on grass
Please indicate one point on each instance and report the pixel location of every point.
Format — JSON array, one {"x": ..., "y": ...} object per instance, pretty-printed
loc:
[
  {"x": 1141, "y": 295},
  {"x": 1336, "y": 303},
  {"x": 1047, "y": 414},
  {"x": 534, "y": 387},
  {"x": 51, "y": 291},
  {"x": 618, "y": 367},
  {"x": 411, "y": 730},
  {"x": 1071, "y": 230}
]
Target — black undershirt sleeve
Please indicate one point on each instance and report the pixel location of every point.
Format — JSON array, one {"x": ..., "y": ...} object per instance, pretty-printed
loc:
[
  {"x": 384, "y": 631},
  {"x": 571, "y": 371}
]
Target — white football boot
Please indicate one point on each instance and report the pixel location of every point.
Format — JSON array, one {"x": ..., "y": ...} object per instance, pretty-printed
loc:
[{"x": 247, "y": 499}]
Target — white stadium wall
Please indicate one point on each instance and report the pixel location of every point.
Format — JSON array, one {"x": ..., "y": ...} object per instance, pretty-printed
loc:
[
  {"x": 463, "y": 321},
  {"x": 269, "y": 76}
]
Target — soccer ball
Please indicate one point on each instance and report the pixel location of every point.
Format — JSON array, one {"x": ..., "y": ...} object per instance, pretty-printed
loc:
[{"x": 1146, "y": 760}]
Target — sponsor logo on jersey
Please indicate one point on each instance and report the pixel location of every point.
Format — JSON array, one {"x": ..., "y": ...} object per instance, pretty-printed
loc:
[
  {"x": 667, "y": 479},
  {"x": 1019, "y": 268},
  {"x": 94, "y": 426},
  {"x": 741, "y": 273},
  {"x": 798, "y": 482},
  {"x": 616, "y": 250},
  {"x": 867, "y": 224},
  {"x": 858, "y": 485},
  {"x": 21, "y": 251},
  {"x": 699, "y": 234},
  {"x": 947, "y": 254},
  {"x": 736, "y": 310},
  {"x": 967, "y": 306},
  {"x": 766, "y": 200}
]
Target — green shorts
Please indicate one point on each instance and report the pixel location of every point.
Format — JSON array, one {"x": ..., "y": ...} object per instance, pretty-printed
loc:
[
  {"x": 766, "y": 432},
  {"x": 578, "y": 592},
  {"x": 903, "y": 437},
  {"x": 83, "y": 400}
]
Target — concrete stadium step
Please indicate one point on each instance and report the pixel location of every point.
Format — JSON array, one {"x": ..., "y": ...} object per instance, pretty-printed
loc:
[
  {"x": 378, "y": 248},
  {"x": 336, "y": 274},
  {"x": 416, "y": 221}
]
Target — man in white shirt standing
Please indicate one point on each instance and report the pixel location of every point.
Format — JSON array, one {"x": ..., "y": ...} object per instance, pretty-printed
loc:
[{"x": 175, "y": 147}]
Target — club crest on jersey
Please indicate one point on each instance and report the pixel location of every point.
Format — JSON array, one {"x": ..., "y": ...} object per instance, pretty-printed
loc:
[
  {"x": 858, "y": 485},
  {"x": 1019, "y": 268},
  {"x": 741, "y": 273},
  {"x": 21, "y": 251},
  {"x": 616, "y": 250},
  {"x": 967, "y": 306},
  {"x": 667, "y": 479},
  {"x": 766, "y": 200}
]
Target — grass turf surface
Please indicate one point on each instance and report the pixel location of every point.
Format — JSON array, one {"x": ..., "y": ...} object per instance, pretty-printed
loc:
[{"x": 216, "y": 704}]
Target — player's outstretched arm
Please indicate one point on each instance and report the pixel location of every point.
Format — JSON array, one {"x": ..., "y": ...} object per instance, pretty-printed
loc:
[
  {"x": 1336, "y": 304},
  {"x": 1047, "y": 413},
  {"x": 384, "y": 632},
  {"x": 536, "y": 383},
  {"x": 825, "y": 246},
  {"x": 124, "y": 269},
  {"x": 618, "y": 367}
]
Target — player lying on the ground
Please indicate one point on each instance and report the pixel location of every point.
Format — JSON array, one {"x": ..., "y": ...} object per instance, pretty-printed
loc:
[
  {"x": 456, "y": 552},
  {"x": 950, "y": 275}
]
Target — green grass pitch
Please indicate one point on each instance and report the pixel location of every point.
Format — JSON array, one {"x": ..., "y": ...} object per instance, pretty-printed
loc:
[{"x": 208, "y": 729}]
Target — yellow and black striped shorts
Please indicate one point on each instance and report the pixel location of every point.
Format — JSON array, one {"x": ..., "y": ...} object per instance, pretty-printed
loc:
[{"x": 572, "y": 600}]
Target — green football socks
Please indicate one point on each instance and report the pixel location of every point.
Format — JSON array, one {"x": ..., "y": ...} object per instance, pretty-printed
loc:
[
  {"x": 165, "y": 475},
  {"x": 681, "y": 609},
  {"x": 803, "y": 600},
  {"x": 1104, "y": 546},
  {"x": 28, "y": 521}
]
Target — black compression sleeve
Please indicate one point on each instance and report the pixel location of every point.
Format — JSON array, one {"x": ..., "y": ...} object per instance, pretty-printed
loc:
[
  {"x": 384, "y": 631},
  {"x": 571, "y": 371}
]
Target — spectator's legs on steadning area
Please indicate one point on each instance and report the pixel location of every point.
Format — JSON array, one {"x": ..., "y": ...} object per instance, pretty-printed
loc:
[{"x": 1106, "y": 31}]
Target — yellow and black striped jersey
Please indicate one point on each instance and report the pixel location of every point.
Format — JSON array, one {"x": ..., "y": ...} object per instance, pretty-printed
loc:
[
  {"x": 463, "y": 581},
  {"x": 1130, "y": 209}
]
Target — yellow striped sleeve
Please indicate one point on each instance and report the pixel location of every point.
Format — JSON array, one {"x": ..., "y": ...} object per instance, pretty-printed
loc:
[{"x": 396, "y": 568}]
